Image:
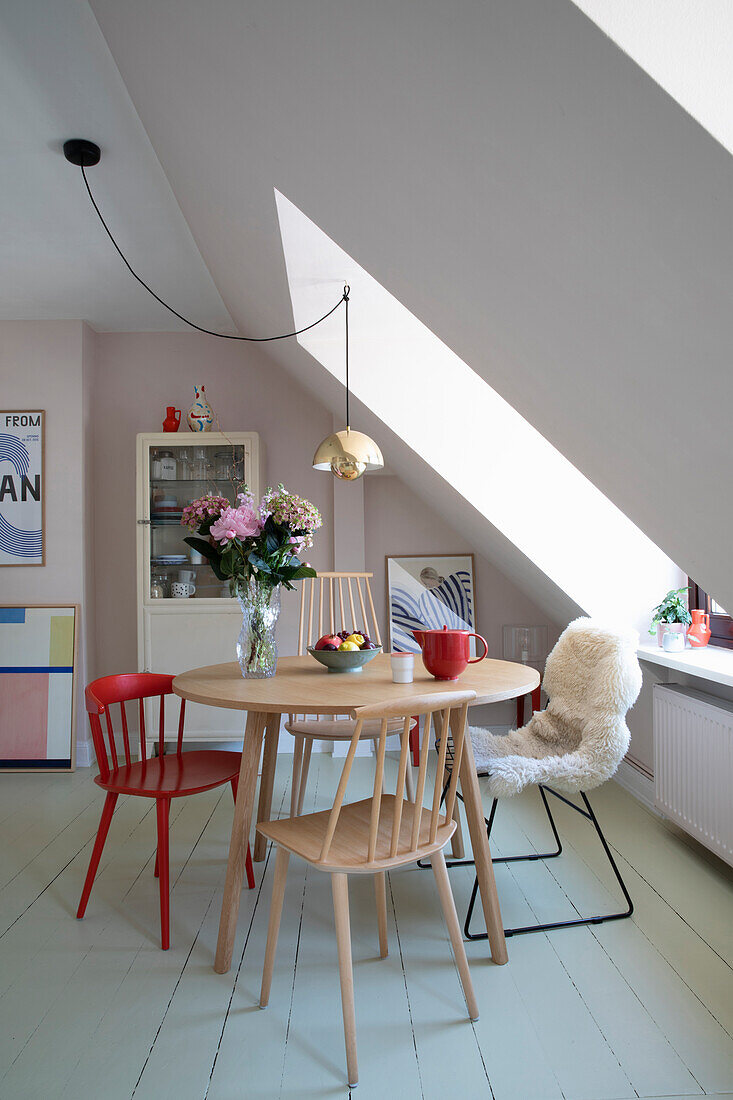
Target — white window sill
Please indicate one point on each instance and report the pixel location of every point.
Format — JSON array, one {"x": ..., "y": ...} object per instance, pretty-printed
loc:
[{"x": 709, "y": 663}]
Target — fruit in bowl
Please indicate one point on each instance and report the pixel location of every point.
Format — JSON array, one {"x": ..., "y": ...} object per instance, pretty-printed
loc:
[
  {"x": 356, "y": 639},
  {"x": 352, "y": 652}
]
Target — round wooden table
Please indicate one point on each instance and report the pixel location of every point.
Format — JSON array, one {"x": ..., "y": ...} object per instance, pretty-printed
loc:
[{"x": 301, "y": 686}]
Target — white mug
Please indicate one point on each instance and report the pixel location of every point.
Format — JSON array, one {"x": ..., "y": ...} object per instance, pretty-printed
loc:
[
  {"x": 181, "y": 589},
  {"x": 402, "y": 667},
  {"x": 196, "y": 557},
  {"x": 186, "y": 576}
]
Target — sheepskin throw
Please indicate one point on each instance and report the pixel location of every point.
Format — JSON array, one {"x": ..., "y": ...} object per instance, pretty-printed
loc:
[{"x": 592, "y": 678}]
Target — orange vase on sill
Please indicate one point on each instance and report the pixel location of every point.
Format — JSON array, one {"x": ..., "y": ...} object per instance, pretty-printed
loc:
[{"x": 698, "y": 635}]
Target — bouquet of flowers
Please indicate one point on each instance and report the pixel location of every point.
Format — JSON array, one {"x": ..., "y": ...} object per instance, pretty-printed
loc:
[
  {"x": 256, "y": 550},
  {"x": 243, "y": 543}
]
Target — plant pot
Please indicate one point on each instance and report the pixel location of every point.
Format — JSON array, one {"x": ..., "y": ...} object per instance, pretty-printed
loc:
[{"x": 676, "y": 628}]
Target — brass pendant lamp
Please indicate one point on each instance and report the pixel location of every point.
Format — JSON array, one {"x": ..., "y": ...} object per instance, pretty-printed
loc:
[{"x": 347, "y": 454}]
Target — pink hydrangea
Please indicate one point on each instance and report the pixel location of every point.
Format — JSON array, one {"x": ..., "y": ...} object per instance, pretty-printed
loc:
[
  {"x": 202, "y": 511},
  {"x": 292, "y": 511},
  {"x": 237, "y": 523}
]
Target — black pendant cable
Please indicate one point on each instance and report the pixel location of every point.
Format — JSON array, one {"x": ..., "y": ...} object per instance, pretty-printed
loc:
[
  {"x": 347, "y": 454},
  {"x": 85, "y": 154}
]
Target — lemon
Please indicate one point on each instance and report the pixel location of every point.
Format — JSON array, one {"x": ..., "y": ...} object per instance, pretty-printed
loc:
[
  {"x": 348, "y": 647},
  {"x": 357, "y": 639}
]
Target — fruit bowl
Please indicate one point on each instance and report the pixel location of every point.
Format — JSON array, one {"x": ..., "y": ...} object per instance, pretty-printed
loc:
[{"x": 344, "y": 661}]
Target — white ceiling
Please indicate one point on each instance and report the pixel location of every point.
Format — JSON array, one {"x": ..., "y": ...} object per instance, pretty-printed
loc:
[{"x": 58, "y": 80}]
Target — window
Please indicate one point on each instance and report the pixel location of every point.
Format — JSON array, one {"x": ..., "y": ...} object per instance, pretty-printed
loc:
[{"x": 721, "y": 623}]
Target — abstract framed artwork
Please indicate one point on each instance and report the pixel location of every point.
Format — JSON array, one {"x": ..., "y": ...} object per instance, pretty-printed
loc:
[
  {"x": 38, "y": 656},
  {"x": 22, "y": 487},
  {"x": 428, "y": 592}
]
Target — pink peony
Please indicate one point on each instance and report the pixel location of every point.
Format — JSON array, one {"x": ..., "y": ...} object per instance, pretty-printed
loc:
[{"x": 236, "y": 523}]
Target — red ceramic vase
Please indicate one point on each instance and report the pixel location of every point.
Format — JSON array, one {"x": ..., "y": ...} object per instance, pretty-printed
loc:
[
  {"x": 698, "y": 634},
  {"x": 172, "y": 421}
]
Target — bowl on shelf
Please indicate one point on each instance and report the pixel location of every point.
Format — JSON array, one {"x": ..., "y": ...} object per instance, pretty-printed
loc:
[{"x": 344, "y": 661}]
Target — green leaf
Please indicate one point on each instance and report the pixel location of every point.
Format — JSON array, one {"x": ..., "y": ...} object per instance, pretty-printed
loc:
[{"x": 211, "y": 553}]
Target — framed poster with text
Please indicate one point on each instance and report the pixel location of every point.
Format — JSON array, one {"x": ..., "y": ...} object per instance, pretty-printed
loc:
[{"x": 21, "y": 487}]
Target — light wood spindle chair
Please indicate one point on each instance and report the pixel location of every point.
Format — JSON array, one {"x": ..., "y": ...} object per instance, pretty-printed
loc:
[
  {"x": 331, "y": 602},
  {"x": 376, "y": 835}
]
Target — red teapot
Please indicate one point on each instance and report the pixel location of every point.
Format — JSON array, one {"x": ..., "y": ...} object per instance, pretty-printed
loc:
[
  {"x": 446, "y": 653},
  {"x": 698, "y": 634},
  {"x": 172, "y": 421}
]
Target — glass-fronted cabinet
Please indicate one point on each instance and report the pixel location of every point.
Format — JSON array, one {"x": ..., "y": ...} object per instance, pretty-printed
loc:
[
  {"x": 179, "y": 473},
  {"x": 186, "y": 616}
]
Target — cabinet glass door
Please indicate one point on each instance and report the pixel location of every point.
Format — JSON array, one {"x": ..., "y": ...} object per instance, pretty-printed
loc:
[{"x": 178, "y": 474}]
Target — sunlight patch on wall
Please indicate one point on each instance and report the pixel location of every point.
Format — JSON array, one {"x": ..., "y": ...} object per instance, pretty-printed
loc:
[{"x": 470, "y": 435}]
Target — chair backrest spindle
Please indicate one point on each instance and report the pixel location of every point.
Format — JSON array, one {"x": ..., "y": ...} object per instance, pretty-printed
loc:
[
  {"x": 100, "y": 696},
  {"x": 181, "y": 719},
  {"x": 161, "y": 727},
  {"x": 143, "y": 738},
  {"x": 400, "y": 790},
  {"x": 382, "y": 840},
  {"x": 340, "y": 611},
  {"x": 377, "y": 793},
  {"x": 125, "y": 734},
  {"x": 351, "y": 602}
]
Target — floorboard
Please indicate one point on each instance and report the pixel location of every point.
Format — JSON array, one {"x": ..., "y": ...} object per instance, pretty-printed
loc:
[{"x": 639, "y": 1008}]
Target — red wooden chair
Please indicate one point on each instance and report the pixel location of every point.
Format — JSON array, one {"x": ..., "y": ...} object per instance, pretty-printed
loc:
[{"x": 162, "y": 778}]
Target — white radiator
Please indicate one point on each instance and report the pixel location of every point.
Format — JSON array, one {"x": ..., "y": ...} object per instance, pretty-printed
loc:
[{"x": 693, "y": 764}]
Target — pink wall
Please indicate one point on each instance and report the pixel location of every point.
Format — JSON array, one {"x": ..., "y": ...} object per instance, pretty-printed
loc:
[
  {"x": 43, "y": 365},
  {"x": 397, "y": 523},
  {"x": 137, "y": 375}
]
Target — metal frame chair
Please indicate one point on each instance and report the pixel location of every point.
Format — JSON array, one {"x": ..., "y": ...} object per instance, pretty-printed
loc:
[{"x": 534, "y": 857}]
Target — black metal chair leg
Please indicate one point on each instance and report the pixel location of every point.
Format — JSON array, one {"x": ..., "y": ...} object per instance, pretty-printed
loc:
[
  {"x": 587, "y": 813},
  {"x": 506, "y": 859}
]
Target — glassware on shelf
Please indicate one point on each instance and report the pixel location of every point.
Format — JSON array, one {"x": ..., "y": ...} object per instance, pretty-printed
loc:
[
  {"x": 200, "y": 464},
  {"x": 223, "y": 464},
  {"x": 158, "y": 585},
  {"x": 167, "y": 466},
  {"x": 184, "y": 464}
]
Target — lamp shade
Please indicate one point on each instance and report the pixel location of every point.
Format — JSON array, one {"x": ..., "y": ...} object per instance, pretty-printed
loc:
[{"x": 348, "y": 454}]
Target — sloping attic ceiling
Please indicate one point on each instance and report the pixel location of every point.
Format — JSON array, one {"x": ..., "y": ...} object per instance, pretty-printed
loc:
[
  {"x": 687, "y": 47},
  {"x": 506, "y": 172},
  {"x": 58, "y": 80}
]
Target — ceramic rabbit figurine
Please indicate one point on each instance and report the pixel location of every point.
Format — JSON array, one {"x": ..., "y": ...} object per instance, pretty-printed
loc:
[{"x": 200, "y": 417}]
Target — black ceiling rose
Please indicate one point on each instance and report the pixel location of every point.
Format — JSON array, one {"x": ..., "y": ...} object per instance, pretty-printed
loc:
[{"x": 82, "y": 153}]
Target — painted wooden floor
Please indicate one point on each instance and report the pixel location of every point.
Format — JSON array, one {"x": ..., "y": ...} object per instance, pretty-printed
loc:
[{"x": 93, "y": 1009}]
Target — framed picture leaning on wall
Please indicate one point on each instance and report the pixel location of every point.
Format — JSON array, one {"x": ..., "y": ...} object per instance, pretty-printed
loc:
[
  {"x": 22, "y": 490},
  {"x": 38, "y": 658},
  {"x": 426, "y": 593}
]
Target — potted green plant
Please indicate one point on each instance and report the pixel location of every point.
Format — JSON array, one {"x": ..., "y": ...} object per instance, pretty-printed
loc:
[{"x": 671, "y": 614}]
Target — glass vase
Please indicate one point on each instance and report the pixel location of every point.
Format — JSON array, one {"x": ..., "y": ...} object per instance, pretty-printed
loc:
[{"x": 256, "y": 647}]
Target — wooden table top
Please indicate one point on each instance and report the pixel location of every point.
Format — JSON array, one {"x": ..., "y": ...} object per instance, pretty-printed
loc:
[{"x": 302, "y": 686}]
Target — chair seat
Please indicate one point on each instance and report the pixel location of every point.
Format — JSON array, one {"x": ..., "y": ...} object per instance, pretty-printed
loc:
[
  {"x": 173, "y": 775},
  {"x": 303, "y": 836},
  {"x": 341, "y": 729}
]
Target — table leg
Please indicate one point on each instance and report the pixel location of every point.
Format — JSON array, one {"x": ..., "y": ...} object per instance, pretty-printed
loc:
[
  {"x": 480, "y": 844},
  {"x": 240, "y": 836},
  {"x": 269, "y": 762}
]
